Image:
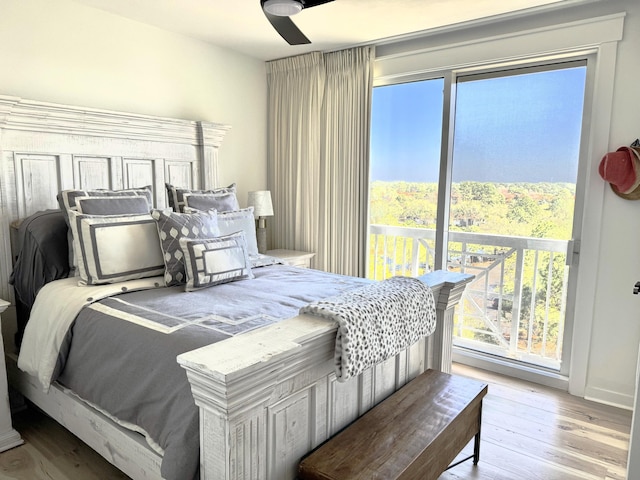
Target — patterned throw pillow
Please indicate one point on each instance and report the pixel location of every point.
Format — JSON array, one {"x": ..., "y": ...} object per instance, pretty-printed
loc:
[
  {"x": 212, "y": 261},
  {"x": 172, "y": 227}
]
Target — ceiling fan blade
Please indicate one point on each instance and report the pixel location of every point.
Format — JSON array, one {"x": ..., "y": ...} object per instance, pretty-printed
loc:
[
  {"x": 314, "y": 3},
  {"x": 287, "y": 30}
]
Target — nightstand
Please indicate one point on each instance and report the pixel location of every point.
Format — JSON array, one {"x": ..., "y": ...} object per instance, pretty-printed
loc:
[
  {"x": 9, "y": 438},
  {"x": 294, "y": 258}
]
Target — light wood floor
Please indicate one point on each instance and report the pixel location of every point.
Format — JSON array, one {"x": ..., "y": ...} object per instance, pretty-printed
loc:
[{"x": 529, "y": 432}]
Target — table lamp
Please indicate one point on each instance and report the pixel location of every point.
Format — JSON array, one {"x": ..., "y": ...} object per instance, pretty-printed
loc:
[{"x": 262, "y": 208}]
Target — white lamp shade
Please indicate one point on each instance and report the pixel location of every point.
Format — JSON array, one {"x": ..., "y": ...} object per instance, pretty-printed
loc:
[{"x": 261, "y": 203}]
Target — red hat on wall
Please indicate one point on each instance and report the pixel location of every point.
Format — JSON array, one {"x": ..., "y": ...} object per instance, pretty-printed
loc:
[{"x": 622, "y": 170}]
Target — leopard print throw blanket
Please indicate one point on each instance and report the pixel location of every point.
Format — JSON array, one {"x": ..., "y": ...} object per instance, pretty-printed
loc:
[{"x": 377, "y": 321}]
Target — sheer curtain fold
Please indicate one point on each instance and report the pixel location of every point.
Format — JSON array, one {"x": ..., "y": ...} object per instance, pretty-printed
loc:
[{"x": 318, "y": 155}]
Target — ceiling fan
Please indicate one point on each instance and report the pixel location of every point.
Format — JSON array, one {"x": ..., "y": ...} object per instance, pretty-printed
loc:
[{"x": 278, "y": 13}]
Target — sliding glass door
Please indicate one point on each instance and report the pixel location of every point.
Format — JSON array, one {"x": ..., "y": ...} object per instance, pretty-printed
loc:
[{"x": 505, "y": 146}]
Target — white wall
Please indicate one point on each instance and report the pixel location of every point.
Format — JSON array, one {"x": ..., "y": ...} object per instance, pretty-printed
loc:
[
  {"x": 62, "y": 52},
  {"x": 616, "y": 326},
  {"x": 607, "y": 330}
]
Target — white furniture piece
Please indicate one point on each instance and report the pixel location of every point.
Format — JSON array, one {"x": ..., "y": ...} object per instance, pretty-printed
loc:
[
  {"x": 293, "y": 257},
  {"x": 9, "y": 438},
  {"x": 267, "y": 397}
]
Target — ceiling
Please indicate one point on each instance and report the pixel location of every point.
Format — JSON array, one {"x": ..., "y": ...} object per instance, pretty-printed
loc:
[{"x": 241, "y": 25}]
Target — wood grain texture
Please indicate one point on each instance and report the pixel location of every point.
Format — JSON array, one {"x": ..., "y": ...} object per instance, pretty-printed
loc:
[
  {"x": 285, "y": 380},
  {"x": 535, "y": 432},
  {"x": 45, "y": 148},
  {"x": 413, "y": 435},
  {"x": 51, "y": 452}
]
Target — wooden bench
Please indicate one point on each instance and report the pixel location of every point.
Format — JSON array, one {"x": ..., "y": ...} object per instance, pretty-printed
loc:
[{"x": 414, "y": 434}]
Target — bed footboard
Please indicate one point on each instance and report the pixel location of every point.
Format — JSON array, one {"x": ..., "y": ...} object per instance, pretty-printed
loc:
[{"x": 268, "y": 397}]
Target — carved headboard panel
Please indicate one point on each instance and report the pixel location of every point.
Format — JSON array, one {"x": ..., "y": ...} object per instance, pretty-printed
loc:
[{"x": 45, "y": 148}]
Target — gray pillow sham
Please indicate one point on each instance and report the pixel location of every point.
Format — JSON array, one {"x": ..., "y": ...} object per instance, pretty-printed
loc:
[
  {"x": 222, "y": 202},
  {"x": 113, "y": 205},
  {"x": 175, "y": 195}
]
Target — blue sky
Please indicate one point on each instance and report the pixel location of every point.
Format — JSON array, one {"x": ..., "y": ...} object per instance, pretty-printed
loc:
[{"x": 518, "y": 128}]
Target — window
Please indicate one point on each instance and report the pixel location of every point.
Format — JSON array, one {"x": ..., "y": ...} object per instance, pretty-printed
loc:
[{"x": 513, "y": 171}]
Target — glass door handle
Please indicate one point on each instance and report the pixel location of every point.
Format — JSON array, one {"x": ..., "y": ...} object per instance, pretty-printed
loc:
[{"x": 573, "y": 252}]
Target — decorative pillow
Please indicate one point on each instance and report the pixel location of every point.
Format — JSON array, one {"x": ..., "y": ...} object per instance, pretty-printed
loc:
[
  {"x": 176, "y": 195},
  {"x": 117, "y": 205},
  {"x": 67, "y": 201},
  {"x": 240, "y": 220},
  {"x": 212, "y": 261},
  {"x": 115, "y": 248},
  {"x": 67, "y": 198},
  {"x": 172, "y": 227},
  {"x": 222, "y": 202}
]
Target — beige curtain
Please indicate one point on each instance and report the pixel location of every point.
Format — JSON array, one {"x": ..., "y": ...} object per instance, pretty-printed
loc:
[{"x": 318, "y": 155}]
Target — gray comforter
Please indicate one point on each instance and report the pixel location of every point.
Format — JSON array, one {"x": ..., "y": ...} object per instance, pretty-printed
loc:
[{"x": 121, "y": 352}]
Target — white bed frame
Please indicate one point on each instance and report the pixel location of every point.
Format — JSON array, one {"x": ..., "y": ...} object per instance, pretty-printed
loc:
[{"x": 267, "y": 397}]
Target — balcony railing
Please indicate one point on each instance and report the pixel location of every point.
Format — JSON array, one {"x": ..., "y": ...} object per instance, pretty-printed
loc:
[{"x": 514, "y": 308}]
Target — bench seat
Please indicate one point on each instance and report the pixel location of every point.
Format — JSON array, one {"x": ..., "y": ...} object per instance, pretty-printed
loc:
[{"x": 413, "y": 434}]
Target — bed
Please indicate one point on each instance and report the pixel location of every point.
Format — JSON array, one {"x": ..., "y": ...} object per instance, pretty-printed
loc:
[{"x": 265, "y": 397}]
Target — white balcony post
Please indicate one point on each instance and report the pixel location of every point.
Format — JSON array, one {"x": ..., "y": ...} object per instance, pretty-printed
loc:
[{"x": 517, "y": 301}]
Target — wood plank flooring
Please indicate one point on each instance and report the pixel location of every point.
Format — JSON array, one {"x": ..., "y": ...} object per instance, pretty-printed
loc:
[
  {"x": 535, "y": 432},
  {"x": 529, "y": 432},
  {"x": 50, "y": 452}
]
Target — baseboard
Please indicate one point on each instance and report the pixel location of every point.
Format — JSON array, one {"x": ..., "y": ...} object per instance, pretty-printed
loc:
[
  {"x": 9, "y": 440},
  {"x": 511, "y": 369},
  {"x": 609, "y": 397}
]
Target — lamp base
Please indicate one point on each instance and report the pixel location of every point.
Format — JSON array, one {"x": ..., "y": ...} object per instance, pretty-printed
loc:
[{"x": 261, "y": 235}]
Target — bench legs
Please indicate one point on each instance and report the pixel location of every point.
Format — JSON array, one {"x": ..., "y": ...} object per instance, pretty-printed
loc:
[{"x": 476, "y": 444}]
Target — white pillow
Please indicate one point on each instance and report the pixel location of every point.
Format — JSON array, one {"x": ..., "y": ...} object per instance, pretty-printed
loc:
[
  {"x": 212, "y": 261},
  {"x": 115, "y": 248},
  {"x": 239, "y": 221}
]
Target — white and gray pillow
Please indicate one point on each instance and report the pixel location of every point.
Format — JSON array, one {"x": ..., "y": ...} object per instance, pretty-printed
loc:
[
  {"x": 212, "y": 261},
  {"x": 67, "y": 198},
  {"x": 115, "y": 248},
  {"x": 67, "y": 201},
  {"x": 222, "y": 202},
  {"x": 175, "y": 195},
  {"x": 171, "y": 227}
]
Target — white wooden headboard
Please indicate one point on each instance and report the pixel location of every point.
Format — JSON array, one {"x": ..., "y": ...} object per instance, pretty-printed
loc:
[{"x": 45, "y": 148}]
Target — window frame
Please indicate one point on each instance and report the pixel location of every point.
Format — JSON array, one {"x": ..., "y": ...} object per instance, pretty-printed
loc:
[{"x": 492, "y": 69}]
